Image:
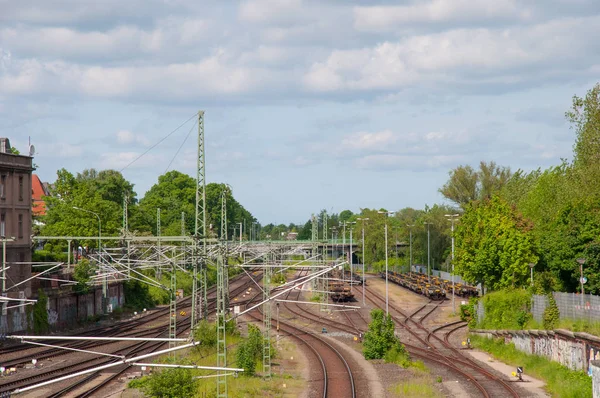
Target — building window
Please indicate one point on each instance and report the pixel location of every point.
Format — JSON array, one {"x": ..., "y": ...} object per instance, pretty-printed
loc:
[
  {"x": 3, "y": 225},
  {"x": 2, "y": 186},
  {"x": 20, "y": 226},
  {"x": 21, "y": 188}
]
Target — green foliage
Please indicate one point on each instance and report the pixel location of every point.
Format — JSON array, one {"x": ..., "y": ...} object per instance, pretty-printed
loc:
[
  {"x": 494, "y": 245},
  {"x": 397, "y": 354},
  {"x": 137, "y": 295},
  {"x": 82, "y": 275},
  {"x": 40, "y": 314},
  {"x": 506, "y": 309},
  {"x": 250, "y": 351},
  {"x": 278, "y": 278},
  {"x": 380, "y": 337},
  {"x": 551, "y": 314},
  {"x": 467, "y": 185},
  {"x": 206, "y": 334},
  {"x": 172, "y": 383},
  {"x": 468, "y": 312},
  {"x": 561, "y": 381}
]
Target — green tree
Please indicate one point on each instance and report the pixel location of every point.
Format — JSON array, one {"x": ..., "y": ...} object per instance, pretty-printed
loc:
[
  {"x": 40, "y": 314},
  {"x": 82, "y": 275},
  {"x": 494, "y": 245},
  {"x": 380, "y": 337},
  {"x": 466, "y": 185},
  {"x": 551, "y": 315}
]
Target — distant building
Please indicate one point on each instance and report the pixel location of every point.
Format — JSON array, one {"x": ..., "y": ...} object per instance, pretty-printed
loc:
[
  {"x": 39, "y": 190},
  {"x": 291, "y": 236},
  {"x": 15, "y": 219}
]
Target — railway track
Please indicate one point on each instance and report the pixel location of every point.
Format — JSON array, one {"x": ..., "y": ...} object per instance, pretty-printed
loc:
[
  {"x": 442, "y": 352},
  {"x": 183, "y": 327},
  {"x": 336, "y": 378}
]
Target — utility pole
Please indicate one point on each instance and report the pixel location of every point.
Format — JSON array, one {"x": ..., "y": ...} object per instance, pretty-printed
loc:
[
  {"x": 387, "y": 213},
  {"x": 428, "y": 254},
  {"x": 158, "y": 270},
  {"x": 581, "y": 261},
  {"x": 199, "y": 272},
  {"x": 351, "y": 260},
  {"x": 363, "y": 255},
  {"x": 452, "y": 218},
  {"x": 410, "y": 240}
]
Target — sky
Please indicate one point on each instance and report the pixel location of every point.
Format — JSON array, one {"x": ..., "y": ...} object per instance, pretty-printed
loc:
[{"x": 309, "y": 105}]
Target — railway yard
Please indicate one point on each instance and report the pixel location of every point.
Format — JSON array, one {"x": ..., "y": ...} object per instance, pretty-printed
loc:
[{"x": 330, "y": 341}]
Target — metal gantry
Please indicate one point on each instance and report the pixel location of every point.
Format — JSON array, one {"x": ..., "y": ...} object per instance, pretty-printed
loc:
[
  {"x": 199, "y": 308},
  {"x": 271, "y": 259},
  {"x": 221, "y": 330}
]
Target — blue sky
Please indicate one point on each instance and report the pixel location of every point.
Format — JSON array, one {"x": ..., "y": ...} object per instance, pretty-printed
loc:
[{"x": 309, "y": 104}]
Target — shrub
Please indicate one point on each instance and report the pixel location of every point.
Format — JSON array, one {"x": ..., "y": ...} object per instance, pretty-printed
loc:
[
  {"x": 506, "y": 309},
  {"x": 206, "y": 334},
  {"x": 551, "y": 314},
  {"x": 137, "y": 295},
  {"x": 398, "y": 355},
  {"x": 468, "y": 312},
  {"x": 82, "y": 274},
  {"x": 40, "y": 314},
  {"x": 173, "y": 383},
  {"x": 380, "y": 337}
]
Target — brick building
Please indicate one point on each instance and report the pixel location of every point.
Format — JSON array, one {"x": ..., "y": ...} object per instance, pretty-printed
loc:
[{"x": 15, "y": 219}]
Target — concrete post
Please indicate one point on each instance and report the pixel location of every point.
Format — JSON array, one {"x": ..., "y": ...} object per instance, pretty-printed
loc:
[{"x": 595, "y": 365}]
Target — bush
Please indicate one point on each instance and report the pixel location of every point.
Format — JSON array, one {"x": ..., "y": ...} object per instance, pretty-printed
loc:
[
  {"x": 551, "y": 315},
  {"x": 398, "y": 355},
  {"x": 137, "y": 295},
  {"x": 468, "y": 312},
  {"x": 245, "y": 358},
  {"x": 380, "y": 337},
  {"x": 173, "y": 383},
  {"x": 82, "y": 274},
  {"x": 506, "y": 309},
  {"x": 206, "y": 334},
  {"x": 40, "y": 314}
]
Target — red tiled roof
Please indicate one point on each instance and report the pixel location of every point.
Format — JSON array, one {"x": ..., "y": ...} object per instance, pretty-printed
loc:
[{"x": 38, "y": 191}]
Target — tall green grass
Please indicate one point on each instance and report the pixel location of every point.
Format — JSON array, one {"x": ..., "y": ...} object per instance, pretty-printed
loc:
[
  {"x": 561, "y": 381},
  {"x": 418, "y": 385}
]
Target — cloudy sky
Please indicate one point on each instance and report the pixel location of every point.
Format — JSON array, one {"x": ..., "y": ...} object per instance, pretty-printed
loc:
[{"x": 309, "y": 104}]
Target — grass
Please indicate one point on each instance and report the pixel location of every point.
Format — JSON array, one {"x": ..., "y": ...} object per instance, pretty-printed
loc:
[
  {"x": 240, "y": 386},
  {"x": 417, "y": 385},
  {"x": 572, "y": 325},
  {"x": 560, "y": 380}
]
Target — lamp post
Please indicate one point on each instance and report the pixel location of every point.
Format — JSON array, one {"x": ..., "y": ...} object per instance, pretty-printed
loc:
[
  {"x": 410, "y": 226},
  {"x": 104, "y": 280},
  {"x": 531, "y": 266},
  {"x": 351, "y": 262},
  {"x": 363, "y": 255},
  {"x": 452, "y": 218},
  {"x": 387, "y": 213},
  {"x": 581, "y": 261},
  {"x": 428, "y": 253},
  {"x": 252, "y": 232},
  {"x": 240, "y": 224}
]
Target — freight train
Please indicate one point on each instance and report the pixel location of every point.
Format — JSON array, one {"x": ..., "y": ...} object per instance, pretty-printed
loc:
[{"x": 433, "y": 287}]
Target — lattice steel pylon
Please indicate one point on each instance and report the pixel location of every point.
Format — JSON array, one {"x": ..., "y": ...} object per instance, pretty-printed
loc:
[
  {"x": 324, "y": 285},
  {"x": 221, "y": 333},
  {"x": 173, "y": 304},
  {"x": 315, "y": 246},
  {"x": 158, "y": 270},
  {"x": 267, "y": 316},
  {"x": 199, "y": 273},
  {"x": 224, "y": 240}
]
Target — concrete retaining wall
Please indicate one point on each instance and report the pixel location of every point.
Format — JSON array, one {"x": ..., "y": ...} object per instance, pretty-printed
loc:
[
  {"x": 574, "y": 350},
  {"x": 595, "y": 366},
  {"x": 65, "y": 309}
]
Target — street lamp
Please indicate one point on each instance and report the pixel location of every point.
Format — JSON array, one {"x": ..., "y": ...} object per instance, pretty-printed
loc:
[
  {"x": 240, "y": 224},
  {"x": 531, "y": 265},
  {"x": 410, "y": 240},
  {"x": 363, "y": 256},
  {"x": 104, "y": 281},
  {"x": 452, "y": 218},
  {"x": 387, "y": 213},
  {"x": 581, "y": 261},
  {"x": 351, "y": 262},
  {"x": 428, "y": 253}
]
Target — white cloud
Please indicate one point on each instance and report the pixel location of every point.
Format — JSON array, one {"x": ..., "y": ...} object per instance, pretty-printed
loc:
[
  {"x": 377, "y": 18},
  {"x": 60, "y": 149},
  {"x": 262, "y": 11},
  {"x": 119, "y": 160},
  {"x": 461, "y": 56},
  {"x": 369, "y": 141},
  {"x": 127, "y": 137}
]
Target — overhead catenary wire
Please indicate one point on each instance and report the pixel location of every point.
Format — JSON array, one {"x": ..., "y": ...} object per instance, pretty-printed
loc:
[
  {"x": 180, "y": 146},
  {"x": 155, "y": 145}
]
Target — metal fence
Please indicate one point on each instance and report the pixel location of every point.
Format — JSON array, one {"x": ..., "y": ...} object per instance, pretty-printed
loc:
[{"x": 572, "y": 306}]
